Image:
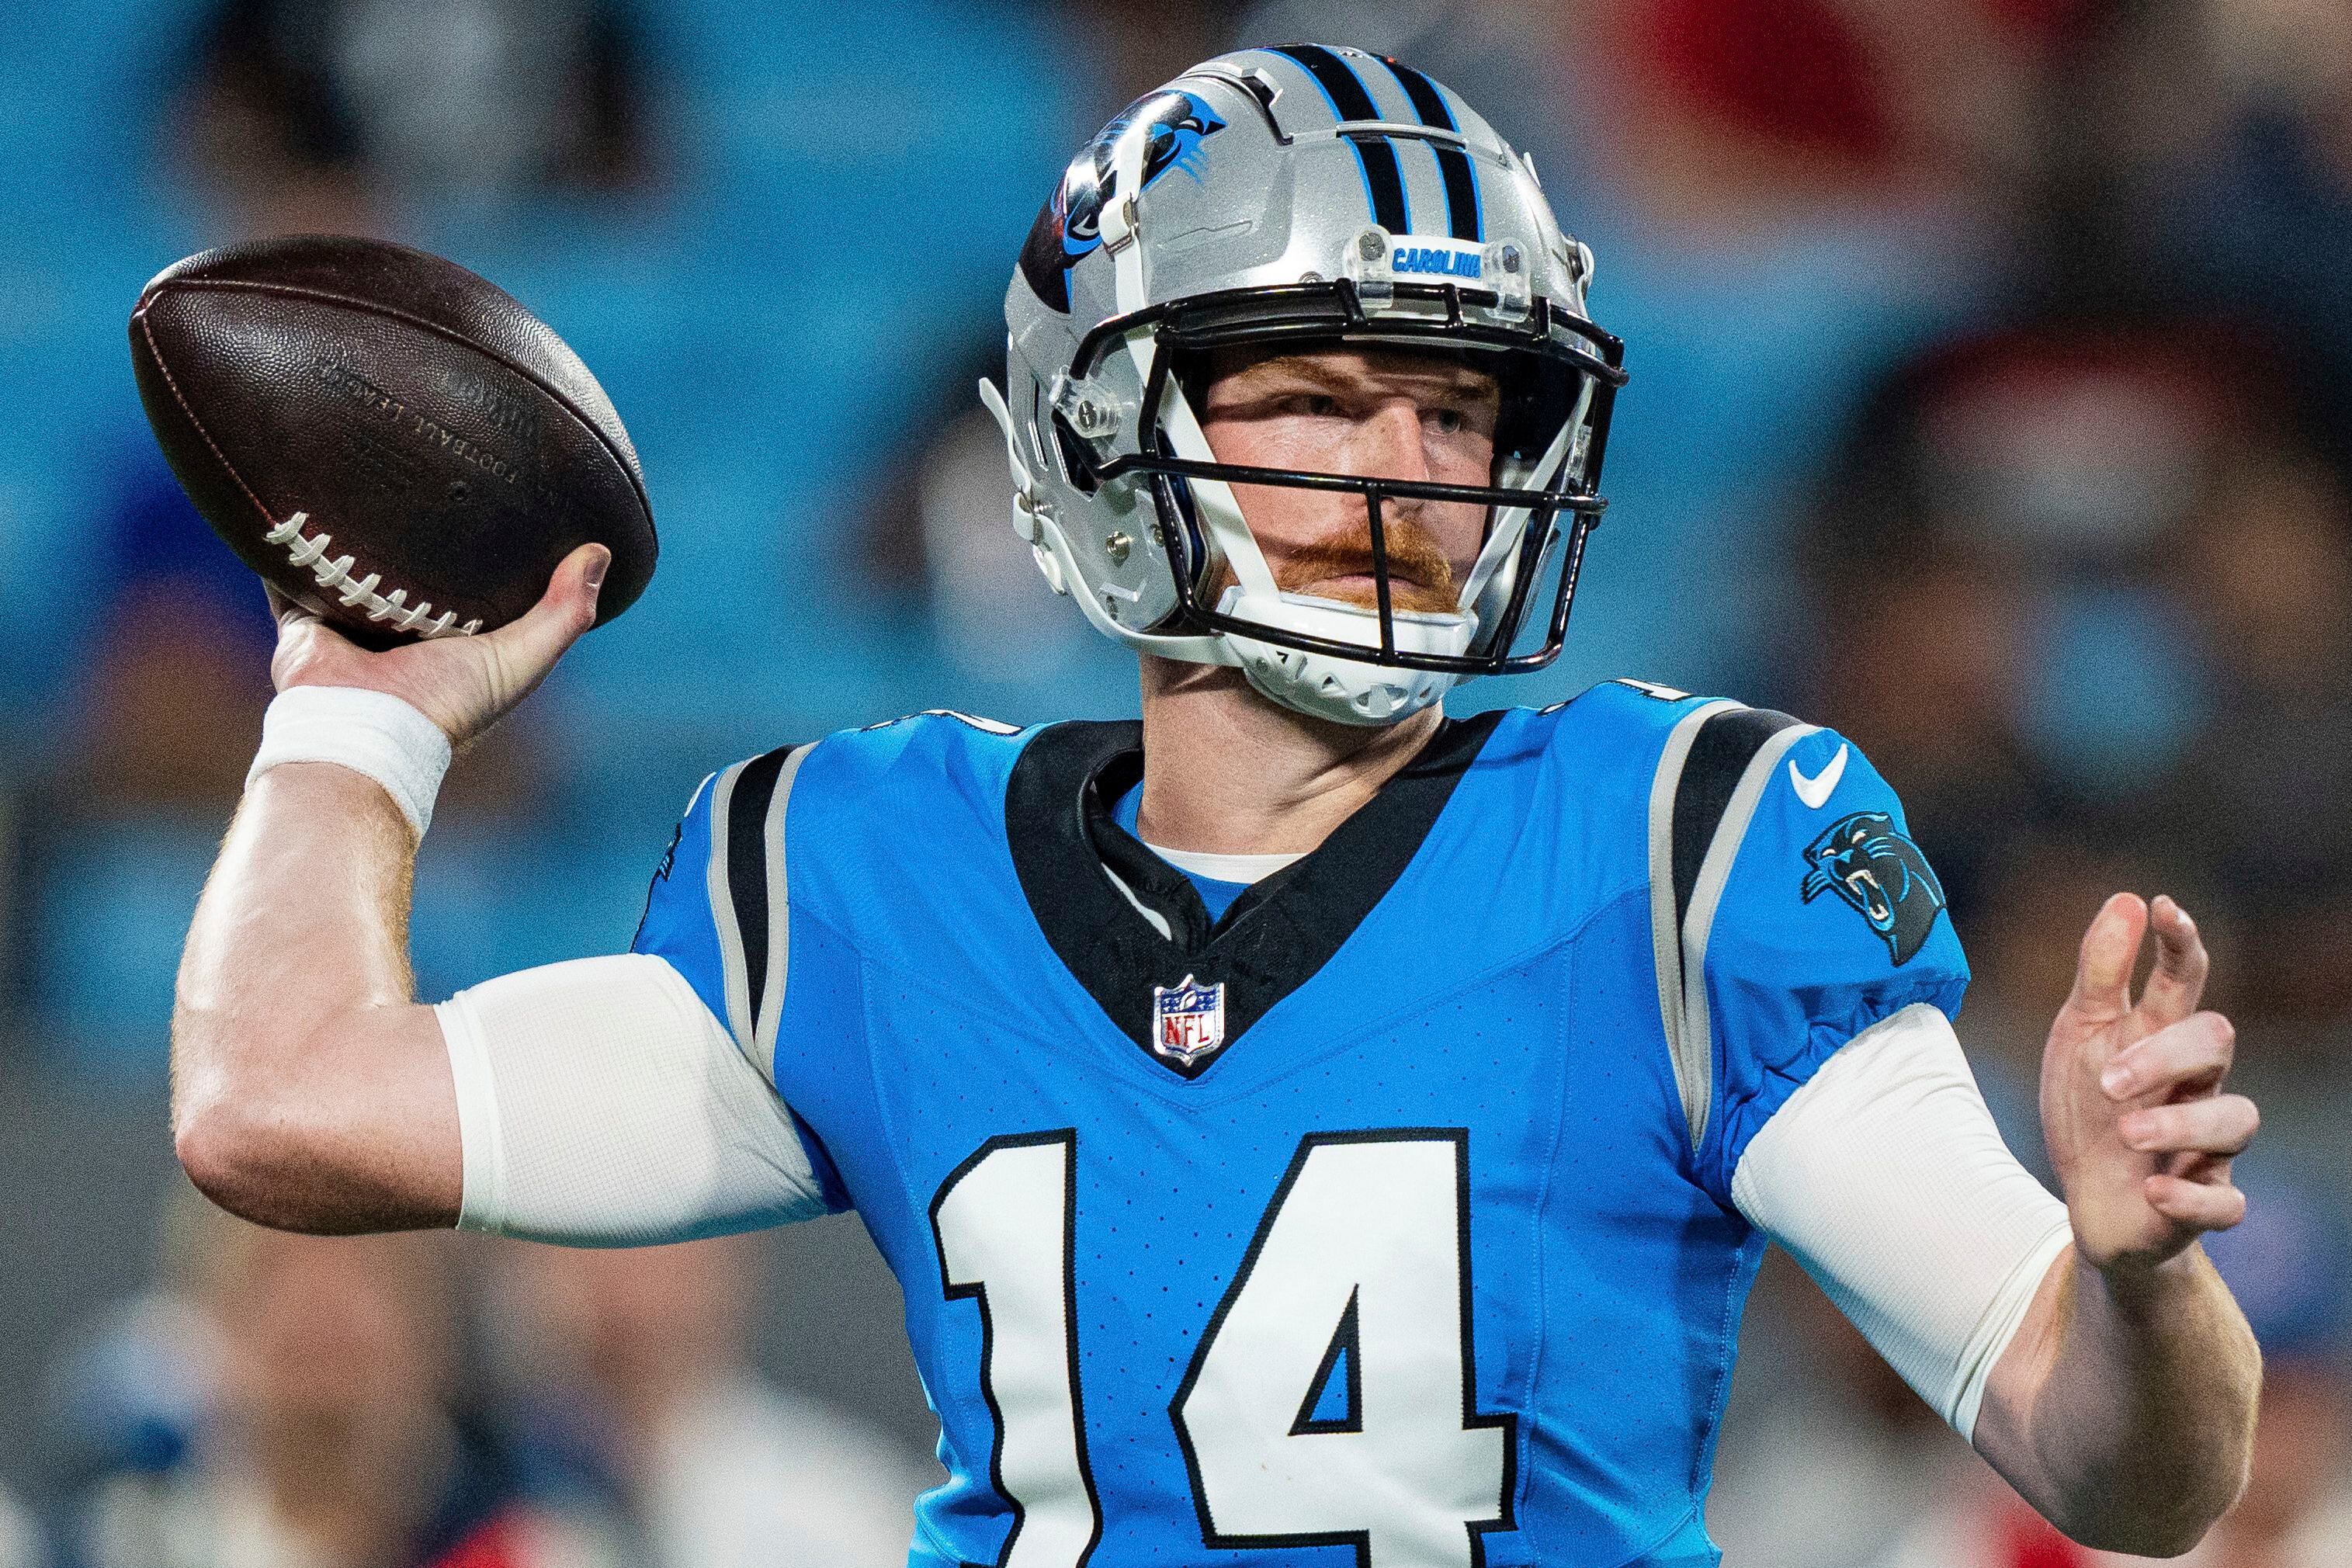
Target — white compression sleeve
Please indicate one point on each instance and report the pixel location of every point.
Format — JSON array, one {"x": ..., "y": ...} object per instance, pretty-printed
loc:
[
  {"x": 601, "y": 1104},
  {"x": 1884, "y": 1177}
]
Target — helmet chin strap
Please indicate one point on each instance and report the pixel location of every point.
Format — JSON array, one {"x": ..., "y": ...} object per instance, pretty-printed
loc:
[
  {"x": 1213, "y": 504},
  {"x": 1344, "y": 690},
  {"x": 1511, "y": 521}
]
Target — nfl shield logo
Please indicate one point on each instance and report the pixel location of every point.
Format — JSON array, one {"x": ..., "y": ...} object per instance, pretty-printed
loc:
[{"x": 1188, "y": 1021}]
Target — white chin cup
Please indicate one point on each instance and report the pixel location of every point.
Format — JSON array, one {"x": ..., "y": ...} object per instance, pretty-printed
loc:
[{"x": 1344, "y": 690}]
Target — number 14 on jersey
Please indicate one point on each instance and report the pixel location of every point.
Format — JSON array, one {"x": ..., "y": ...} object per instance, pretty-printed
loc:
[{"x": 1330, "y": 1401}]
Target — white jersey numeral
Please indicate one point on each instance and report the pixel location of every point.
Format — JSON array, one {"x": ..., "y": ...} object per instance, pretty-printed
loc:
[
  {"x": 1359, "y": 1263},
  {"x": 1002, "y": 1221},
  {"x": 1332, "y": 1399}
]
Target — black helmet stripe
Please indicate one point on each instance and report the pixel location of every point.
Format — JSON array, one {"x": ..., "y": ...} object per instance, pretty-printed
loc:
[
  {"x": 1461, "y": 193},
  {"x": 1350, "y": 102},
  {"x": 1350, "y": 99},
  {"x": 1427, "y": 101},
  {"x": 1385, "y": 180},
  {"x": 1454, "y": 165}
]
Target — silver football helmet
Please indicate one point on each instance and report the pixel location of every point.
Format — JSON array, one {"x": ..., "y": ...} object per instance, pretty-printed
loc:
[{"x": 1297, "y": 197}]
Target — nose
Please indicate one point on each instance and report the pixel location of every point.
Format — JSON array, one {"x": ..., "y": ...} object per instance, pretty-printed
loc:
[{"x": 1388, "y": 442}]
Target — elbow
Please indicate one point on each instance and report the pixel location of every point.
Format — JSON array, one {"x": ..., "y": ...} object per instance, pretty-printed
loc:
[
  {"x": 2174, "y": 1536},
  {"x": 226, "y": 1146},
  {"x": 2173, "y": 1528},
  {"x": 242, "y": 1150},
  {"x": 2141, "y": 1538}
]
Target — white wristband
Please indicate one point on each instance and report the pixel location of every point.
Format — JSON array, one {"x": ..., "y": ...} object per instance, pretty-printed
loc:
[{"x": 369, "y": 732}]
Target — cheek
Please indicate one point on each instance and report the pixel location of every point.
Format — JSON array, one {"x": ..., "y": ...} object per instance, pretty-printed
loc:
[
  {"x": 1460, "y": 526},
  {"x": 1281, "y": 515},
  {"x": 1461, "y": 534}
]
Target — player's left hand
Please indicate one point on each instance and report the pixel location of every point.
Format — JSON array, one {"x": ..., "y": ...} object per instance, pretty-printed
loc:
[{"x": 2137, "y": 1126}]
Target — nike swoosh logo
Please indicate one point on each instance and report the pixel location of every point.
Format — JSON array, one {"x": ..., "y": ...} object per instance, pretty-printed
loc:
[{"x": 1815, "y": 790}]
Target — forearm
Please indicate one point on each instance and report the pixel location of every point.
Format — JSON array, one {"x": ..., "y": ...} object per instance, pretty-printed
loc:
[
  {"x": 2124, "y": 1409},
  {"x": 308, "y": 1090}
]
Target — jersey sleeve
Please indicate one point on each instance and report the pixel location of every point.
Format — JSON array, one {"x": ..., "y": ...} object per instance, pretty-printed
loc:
[
  {"x": 1885, "y": 1179},
  {"x": 1791, "y": 910},
  {"x": 601, "y": 1104},
  {"x": 718, "y": 913}
]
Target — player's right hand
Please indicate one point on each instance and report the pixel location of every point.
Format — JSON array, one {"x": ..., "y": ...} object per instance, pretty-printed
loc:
[{"x": 463, "y": 684}]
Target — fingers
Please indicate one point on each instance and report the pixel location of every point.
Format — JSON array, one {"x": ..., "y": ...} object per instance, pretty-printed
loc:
[
  {"x": 2194, "y": 1203},
  {"x": 2177, "y": 980},
  {"x": 2218, "y": 1124},
  {"x": 2110, "y": 948},
  {"x": 529, "y": 644},
  {"x": 292, "y": 617},
  {"x": 2196, "y": 1051},
  {"x": 280, "y": 606},
  {"x": 310, "y": 652}
]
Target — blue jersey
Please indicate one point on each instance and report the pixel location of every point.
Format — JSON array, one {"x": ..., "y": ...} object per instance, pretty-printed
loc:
[{"x": 1386, "y": 1218}]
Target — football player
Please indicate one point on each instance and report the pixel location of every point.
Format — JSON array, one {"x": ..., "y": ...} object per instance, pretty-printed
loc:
[{"x": 1302, "y": 1123}]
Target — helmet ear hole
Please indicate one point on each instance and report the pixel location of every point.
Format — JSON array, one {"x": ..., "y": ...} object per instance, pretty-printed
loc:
[
  {"x": 1078, "y": 463},
  {"x": 1537, "y": 398}
]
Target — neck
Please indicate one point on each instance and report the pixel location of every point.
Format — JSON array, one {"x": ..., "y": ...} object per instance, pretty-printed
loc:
[{"x": 1226, "y": 771}]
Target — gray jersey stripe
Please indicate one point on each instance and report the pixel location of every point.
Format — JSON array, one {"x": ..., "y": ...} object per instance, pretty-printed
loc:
[
  {"x": 780, "y": 920},
  {"x": 1714, "y": 872},
  {"x": 1665, "y": 938},
  {"x": 732, "y": 970}
]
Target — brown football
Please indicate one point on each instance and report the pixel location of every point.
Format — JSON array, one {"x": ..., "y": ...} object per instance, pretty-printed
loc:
[{"x": 384, "y": 437}]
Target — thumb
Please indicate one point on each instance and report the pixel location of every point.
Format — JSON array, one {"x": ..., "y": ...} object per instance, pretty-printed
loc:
[
  {"x": 2110, "y": 948},
  {"x": 529, "y": 644}
]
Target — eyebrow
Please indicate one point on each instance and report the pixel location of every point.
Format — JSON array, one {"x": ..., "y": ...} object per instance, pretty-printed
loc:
[{"x": 1453, "y": 379}]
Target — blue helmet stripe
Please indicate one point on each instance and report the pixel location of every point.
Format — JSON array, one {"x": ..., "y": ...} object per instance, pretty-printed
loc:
[
  {"x": 1376, "y": 155},
  {"x": 1463, "y": 209}
]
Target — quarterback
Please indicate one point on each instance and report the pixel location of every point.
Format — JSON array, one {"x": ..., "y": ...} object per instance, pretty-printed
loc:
[{"x": 1306, "y": 1128}]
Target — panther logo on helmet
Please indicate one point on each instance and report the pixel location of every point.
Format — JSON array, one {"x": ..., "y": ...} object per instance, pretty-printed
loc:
[
  {"x": 1868, "y": 862},
  {"x": 1068, "y": 230}
]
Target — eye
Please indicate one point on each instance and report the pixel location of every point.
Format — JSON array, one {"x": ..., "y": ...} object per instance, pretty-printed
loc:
[
  {"x": 1313, "y": 404},
  {"x": 1449, "y": 421}
]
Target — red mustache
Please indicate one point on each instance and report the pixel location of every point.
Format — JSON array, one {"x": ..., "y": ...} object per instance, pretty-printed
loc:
[{"x": 1420, "y": 576}]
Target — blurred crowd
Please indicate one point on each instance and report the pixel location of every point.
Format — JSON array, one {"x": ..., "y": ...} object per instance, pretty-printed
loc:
[
  {"x": 1989, "y": 361},
  {"x": 286, "y": 1401}
]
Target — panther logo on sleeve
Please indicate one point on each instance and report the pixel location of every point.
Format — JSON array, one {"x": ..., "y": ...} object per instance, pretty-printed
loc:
[{"x": 1867, "y": 861}]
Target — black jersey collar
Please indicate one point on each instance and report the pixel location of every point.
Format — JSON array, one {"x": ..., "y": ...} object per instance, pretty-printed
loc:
[{"x": 1066, "y": 849}]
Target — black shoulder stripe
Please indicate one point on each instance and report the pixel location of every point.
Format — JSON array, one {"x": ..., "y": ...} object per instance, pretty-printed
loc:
[
  {"x": 1719, "y": 754},
  {"x": 747, "y": 865}
]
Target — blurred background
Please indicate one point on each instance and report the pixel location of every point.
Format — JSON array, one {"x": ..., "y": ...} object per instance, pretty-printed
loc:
[{"x": 1989, "y": 366}]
